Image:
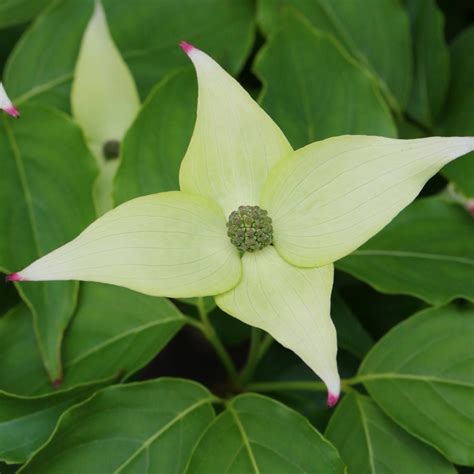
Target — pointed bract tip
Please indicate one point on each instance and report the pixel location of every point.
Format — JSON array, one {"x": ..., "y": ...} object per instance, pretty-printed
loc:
[
  {"x": 186, "y": 47},
  {"x": 332, "y": 399},
  {"x": 14, "y": 277},
  {"x": 13, "y": 111},
  {"x": 470, "y": 206},
  {"x": 57, "y": 383}
]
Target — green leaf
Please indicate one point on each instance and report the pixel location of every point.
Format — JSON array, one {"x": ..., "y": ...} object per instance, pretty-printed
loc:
[
  {"x": 258, "y": 435},
  {"x": 283, "y": 375},
  {"x": 431, "y": 55},
  {"x": 314, "y": 89},
  {"x": 351, "y": 335},
  {"x": 151, "y": 50},
  {"x": 45, "y": 199},
  {"x": 421, "y": 374},
  {"x": 157, "y": 141},
  {"x": 225, "y": 30},
  {"x": 457, "y": 116},
  {"x": 15, "y": 12},
  {"x": 20, "y": 363},
  {"x": 27, "y": 422},
  {"x": 378, "y": 43},
  {"x": 53, "y": 40},
  {"x": 371, "y": 443},
  {"x": 107, "y": 337},
  {"x": 427, "y": 252},
  {"x": 144, "y": 427}
]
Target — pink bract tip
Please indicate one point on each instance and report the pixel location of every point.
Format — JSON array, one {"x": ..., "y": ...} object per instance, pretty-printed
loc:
[
  {"x": 470, "y": 206},
  {"x": 12, "y": 111},
  {"x": 332, "y": 399},
  {"x": 14, "y": 277},
  {"x": 186, "y": 47}
]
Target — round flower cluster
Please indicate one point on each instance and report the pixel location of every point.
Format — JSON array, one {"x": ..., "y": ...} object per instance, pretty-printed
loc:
[{"x": 250, "y": 228}]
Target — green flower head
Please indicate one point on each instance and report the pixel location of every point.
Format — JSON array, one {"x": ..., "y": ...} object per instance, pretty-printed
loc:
[{"x": 256, "y": 224}]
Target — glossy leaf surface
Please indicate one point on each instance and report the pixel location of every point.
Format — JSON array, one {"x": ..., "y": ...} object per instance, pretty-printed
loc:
[
  {"x": 427, "y": 252},
  {"x": 258, "y": 435},
  {"x": 369, "y": 442},
  {"x": 45, "y": 198},
  {"x": 421, "y": 374}
]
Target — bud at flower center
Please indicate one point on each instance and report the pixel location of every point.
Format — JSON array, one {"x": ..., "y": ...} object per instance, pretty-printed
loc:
[
  {"x": 111, "y": 149},
  {"x": 250, "y": 228}
]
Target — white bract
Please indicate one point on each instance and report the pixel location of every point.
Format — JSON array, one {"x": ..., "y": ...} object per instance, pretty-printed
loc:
[
  {"x": 324, "y": 200},
  {"x": 104, "y": 100}
]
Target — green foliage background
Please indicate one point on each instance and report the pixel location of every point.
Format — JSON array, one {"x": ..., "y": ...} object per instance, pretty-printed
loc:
[{"x": 74, "y": 358}]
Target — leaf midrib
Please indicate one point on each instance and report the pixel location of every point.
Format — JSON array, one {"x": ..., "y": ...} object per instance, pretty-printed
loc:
[
  {"x": 408, "y": 254},
  {"x": 365, "y": 428},
  {"x": 413, "y": 377},
  {"x": 24, "y": 185},
  {"x": 123, "y": 335},
  {"x": 245, "y": 438},
  {"x": 359, "y": 55},
  {"x": 149, "y": 441}
]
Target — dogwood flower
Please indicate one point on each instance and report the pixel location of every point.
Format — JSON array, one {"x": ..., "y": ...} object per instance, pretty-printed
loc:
[
  {"x": 104, "y": 101},
  {"x": 256, "y": 224},
  {"x": 6, "y": 104}
]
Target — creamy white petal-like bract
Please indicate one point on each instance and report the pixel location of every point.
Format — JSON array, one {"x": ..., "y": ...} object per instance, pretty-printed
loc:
[
  {"x": 104, "y": 98},
  {"x": 234, "y": 143},
  {"x": 168, "y": 244},
  {"x": 330, "y": 197},
  {"x": 325, "y": 200},
  {"x": 293, "y": 305}
]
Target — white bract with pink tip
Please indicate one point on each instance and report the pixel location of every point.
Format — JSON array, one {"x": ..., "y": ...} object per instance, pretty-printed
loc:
[
  {"x": 6, "y": 103},
  {"x": 324, "y": 201}
]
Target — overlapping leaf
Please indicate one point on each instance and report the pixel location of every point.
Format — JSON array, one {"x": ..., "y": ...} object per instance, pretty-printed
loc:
[
  {"x": 378, "y": 41},
  {"x": 45, "y": 200},
  {"x": 156, "y": 143},
  {"x": 457, "y": 118},
  {"x": 431, "y": 54},
  {"x": 369, "y": 442},
  {"x": 314, "y": 89},
  {"x": 108, "y": 337},
  {"x": 14, "y": 12},
  {"x": 53, "y": 40},
  {"x": 27, "y": 422},
  {"x": 258, "y": 435},
  {"x": 427, "y": 252},
  {"x": 422, "y": 375},
  {"x": 224, "y": 29},
  {"x": 151, "y": 50},
  {"x": 144, "y": 427}
]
